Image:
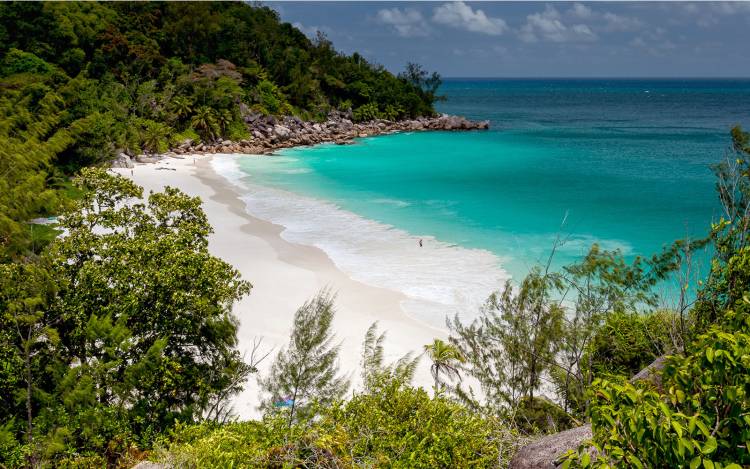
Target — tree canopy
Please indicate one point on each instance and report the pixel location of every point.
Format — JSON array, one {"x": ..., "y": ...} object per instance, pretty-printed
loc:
[{"x": 80, "y": 82}]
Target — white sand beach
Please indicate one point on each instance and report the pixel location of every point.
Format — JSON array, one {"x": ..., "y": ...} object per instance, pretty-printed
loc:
[{"x": 284, "y": 275}]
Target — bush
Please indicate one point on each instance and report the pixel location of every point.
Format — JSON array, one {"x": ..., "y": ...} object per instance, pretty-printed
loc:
[
  {"x": 18, "y": 61},
  {"x": 366, "y": 112},
  {"x": 700, "y": 419},
  {"x": 541, "y": 415},
  {"x": 628, "y": 342},
  {"x": 393, "y": 426},
  {"x": 187, "y": 134},
  {"x": 237, "y": 131}
]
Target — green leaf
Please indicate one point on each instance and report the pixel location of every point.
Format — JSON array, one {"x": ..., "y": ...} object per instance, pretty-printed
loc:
[
  {"x": 635, "y": 461},
  {"x": 677, "y": 427},
  {"x": 710, "y": 354},
  {"x": 710, "y": 446},
  {"x": 702, "y": 426},
  {"x": 695, "y": 462}
]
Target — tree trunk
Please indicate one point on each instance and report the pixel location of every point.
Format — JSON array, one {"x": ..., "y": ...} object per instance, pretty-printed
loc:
[
  {"x": 29, "y": 413},
  {"x": 291, "y": 411},
  {"x": 29, "y": 426}
]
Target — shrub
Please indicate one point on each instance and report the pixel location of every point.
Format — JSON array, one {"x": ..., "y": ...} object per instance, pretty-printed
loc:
[
  {"x": 629, "y": 341},
  {"x": 366, "y": 112},
  {"x": 18, "y": 61},
  {"x": 541, "y": 414},
  {"x": 700, "y": 419},
  {"x": 392, "y": 426},
  {"x": 237, "y": 131},
  {"x": 187, "y": 134}
]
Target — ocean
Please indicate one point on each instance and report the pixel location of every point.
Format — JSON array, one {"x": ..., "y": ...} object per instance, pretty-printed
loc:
[{"x": 622, "y": 163}]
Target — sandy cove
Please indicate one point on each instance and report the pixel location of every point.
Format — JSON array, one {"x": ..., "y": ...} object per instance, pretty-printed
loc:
[{"x": 284, "y": 275}]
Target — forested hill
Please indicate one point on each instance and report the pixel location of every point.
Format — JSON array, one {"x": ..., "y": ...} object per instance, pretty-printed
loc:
[{"x": 80, "y": 80}]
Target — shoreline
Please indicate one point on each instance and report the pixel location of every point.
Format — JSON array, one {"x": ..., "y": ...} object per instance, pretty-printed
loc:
[
  {"x": 285, "y": 275},
  {"x": 268, "y": 134}
]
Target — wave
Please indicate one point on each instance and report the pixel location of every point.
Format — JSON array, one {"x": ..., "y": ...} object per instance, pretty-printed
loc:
[
  {"x": 394, "y": 202},
  {"x": 438, "y": 279}
]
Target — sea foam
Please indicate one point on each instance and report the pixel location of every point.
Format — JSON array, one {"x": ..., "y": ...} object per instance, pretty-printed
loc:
[{"x": 438, "y": 279}]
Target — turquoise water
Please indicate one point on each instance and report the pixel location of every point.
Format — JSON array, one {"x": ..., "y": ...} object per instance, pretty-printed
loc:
[{"x": 623, "y": 163}]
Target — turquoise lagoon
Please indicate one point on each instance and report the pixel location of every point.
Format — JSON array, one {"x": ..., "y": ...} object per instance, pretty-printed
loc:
[{"x": 623, "y": 163}]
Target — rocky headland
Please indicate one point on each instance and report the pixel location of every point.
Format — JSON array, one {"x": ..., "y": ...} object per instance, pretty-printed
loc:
[{"x": 269, "y": 133}]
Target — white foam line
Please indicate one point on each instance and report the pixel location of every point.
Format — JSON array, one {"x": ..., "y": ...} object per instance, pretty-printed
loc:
[{"x": 439, "y": 279}]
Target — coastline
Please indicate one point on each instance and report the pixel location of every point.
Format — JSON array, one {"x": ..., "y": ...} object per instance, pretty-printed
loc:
[
  {"x": 284, "y": 275},
  {"x": 268, "y": 134}
]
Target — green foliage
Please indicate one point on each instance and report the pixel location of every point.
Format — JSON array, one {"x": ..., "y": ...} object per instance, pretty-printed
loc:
[
  {"x": 306, "y": 371},
  {"x": 187, "y": 134},
  {"x": 628, "y": 342},
  {"x": 18, "y": 61},
  {"x": 512, "y": 344},
  {"x": 700, "y": 418},
  {"x": 204, "y": 121},
  {"x": 155, "y": 137},
  {"x": 81, "y": 81},
  {"x": 392, "y": 425},
  {"x": 445, "y": 359},
  {"x": 366, "y": 112},
  {"x": 541, "y": 415},
  {"x": 699, "y": 414},
  {"x": 121, "y": 327},
  {"x": 374, "y": 371},
  {"x": 729, "y": 278}
]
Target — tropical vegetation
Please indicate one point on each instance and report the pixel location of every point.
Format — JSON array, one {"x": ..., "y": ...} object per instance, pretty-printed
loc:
[
  {"x": 117, "y": 338},
  {"x": 81, "y": 82}
]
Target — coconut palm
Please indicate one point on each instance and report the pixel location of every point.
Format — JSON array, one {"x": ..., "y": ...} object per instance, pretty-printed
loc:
[
  {"x": 224, "y": 120},
  {"x": 155, "y": 136},
  {"x": 445, "y": 359},
  {"x": 181, "y": 107},
  {"x": 204, "y": 121}
]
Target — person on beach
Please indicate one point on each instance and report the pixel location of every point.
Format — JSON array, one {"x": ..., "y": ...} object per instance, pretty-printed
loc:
[{"x": 420, "y": 242}]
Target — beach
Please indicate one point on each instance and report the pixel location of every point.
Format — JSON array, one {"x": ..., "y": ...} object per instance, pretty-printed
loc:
[{"x": 284, "y": 275}]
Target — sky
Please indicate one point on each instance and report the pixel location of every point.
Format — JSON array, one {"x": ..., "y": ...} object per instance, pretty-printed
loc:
[{"x": 538, "y": 39}]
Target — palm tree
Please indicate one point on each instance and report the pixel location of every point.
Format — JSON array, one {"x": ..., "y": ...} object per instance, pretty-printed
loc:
[
  {"x": 181, "y": 107},
  {"x": 224, "y": 120},
  {"x": 445, "y": 359},
  {"x": 154, "y": 136},
  {"x": 204, "y": 121}
]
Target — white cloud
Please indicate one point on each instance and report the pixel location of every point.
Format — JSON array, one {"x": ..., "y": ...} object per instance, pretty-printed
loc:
[
  {"x": 707, "y": 14},
  {"x": 311, "y": 31},
  {"x": 654, "y": 42},
  {"x": 407, "y": 22},
  {"x": 548, "y": 26},
  {"x": 613, "y": 22},
  {"x": 579, "y": 10},
  {"x": 462, "y": 16}
]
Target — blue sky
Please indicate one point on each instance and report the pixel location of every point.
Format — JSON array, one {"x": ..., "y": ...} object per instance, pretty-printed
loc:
[{"x": 538, "y": 39}]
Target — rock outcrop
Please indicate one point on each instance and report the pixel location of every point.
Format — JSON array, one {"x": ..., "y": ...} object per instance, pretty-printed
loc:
[
  {"x": 269, "y": 133},
  {"x": 545, "y": 452},
  {"x": 122, "y": 161}
]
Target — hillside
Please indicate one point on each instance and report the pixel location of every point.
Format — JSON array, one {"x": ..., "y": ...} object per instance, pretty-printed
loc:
[{"x": 80, "y": 81}]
